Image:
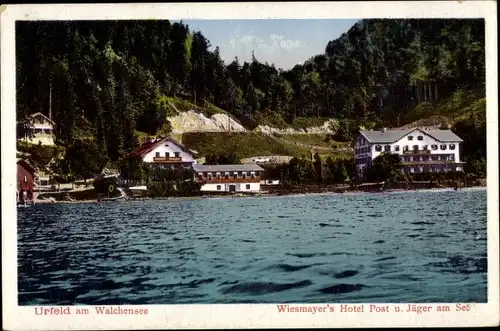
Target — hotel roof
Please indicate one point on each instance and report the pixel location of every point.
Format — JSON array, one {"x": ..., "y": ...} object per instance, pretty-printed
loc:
[
  {"x": 226, "y": 167},
  {"x": 391, "y": 136}
]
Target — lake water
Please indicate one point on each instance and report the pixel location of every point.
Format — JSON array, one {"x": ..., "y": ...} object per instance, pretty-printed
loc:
[{"x": 354, "y": 248}]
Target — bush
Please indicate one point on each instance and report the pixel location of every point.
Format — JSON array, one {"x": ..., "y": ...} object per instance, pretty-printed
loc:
[{"x": 160, "y": 189}]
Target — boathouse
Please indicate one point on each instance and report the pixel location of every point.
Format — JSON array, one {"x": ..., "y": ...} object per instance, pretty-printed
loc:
[
  {"x": 25, "y": 181},
  {"x": 228, "y": 177}
]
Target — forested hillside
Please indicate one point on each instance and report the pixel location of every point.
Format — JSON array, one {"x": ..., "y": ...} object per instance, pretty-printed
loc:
[{"x": 110, "y": 79}]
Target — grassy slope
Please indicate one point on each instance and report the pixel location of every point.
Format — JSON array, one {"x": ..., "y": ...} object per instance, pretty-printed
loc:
[
  {"x": 315, "y": 139},
  {"x": 247, "y": 144},
  {"x": 458, "y": 107}
]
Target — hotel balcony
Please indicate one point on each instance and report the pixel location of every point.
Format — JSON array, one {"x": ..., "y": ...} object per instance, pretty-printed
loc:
[
  {"x": 430, "y": 162},
  {"x": 224, "y": 180},
  {"x": 167, "y": 159},
  {"x": 415, "y": 152}
]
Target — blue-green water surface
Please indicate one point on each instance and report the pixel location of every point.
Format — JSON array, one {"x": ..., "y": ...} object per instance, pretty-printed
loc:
[{"x": 427, "y": 246}]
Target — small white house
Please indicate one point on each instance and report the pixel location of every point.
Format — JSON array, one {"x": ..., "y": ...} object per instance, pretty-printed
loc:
[
  {"x": 166, "y": 153},
  {"x": 228, "y": 177},
  {"x": 41, "y": 130},
  {"x": 420, "y": 150}
]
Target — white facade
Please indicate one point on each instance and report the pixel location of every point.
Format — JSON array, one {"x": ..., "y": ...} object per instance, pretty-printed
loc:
[
  {"x": 41, "y": 130},
  {"x": 167, "y": 148},
  {"x": 226, "y": 187},
  {"x": 416, "y": 140},
  {"x": 426, "y": 140}
]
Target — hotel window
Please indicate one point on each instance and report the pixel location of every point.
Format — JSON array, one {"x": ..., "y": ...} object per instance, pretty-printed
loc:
[
  {"x": 405, "y": 148},
  {"x": 421, "y": 169},
  {"x": 434, "y": 157},
  {"x": 217, "y": 175},
  {"x": 235, "y": 175},
  {"x": 426, "y": 147},
  {"x": 167, "y": 154},
  {"x": 415, "y": 147},
  {"x": 177, "y": 154},
  {"x": 443, "y": 147},
  {"x": 410, "y": 138},
  {"x": 412, "y": 170},
  {"x": 434, "y": 147},
  {"x": 452, "y": 147},
  {"x": 396, "y": 148},
  {"x": 420, "y": 138},
  {"x": 378, "y": 148},
  {"x": 257, "y": 173},
  {"x": 410, "y": 158},
  {"x": 248, "y": 186},
  {"x": 205, "y": 174},
  {"x": 218, "y": 187},
  {"x": 249, "y": 173},
  {"x": 452, "y": 157},
  {"x": 25, "y": 179},
  {"x": 157, "y": 154},
  {"x": 387, "y": 148}
]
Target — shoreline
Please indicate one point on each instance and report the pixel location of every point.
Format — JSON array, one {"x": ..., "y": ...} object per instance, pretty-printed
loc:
[{"x": 267, "y": 194}]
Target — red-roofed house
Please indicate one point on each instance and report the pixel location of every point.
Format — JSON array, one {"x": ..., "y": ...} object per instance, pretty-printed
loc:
[{"x": 166, "y": 153}]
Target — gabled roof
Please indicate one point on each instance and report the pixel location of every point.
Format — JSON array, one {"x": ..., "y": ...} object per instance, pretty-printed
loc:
[
  {"x": 226, "y": 167},
  {"x": 391, "y": 136},
  {"x": 152, "y": 144},
  {"x": 384, "y": 137},
  {"x": 26, "y": 165},
  {"x": 444, "y": 135},
  {"x": 46, "y": 118}
]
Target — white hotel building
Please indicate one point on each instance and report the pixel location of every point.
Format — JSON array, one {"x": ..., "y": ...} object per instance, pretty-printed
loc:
[{"x": 420, "y": 150}]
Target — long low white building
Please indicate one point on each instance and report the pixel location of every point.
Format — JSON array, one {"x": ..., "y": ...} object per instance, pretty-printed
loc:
[{"x": 228, "y": 177}]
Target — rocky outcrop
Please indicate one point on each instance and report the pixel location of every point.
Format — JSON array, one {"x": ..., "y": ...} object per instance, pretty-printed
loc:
[
  {"x": 192, "y": 121},
  {"x": 324, "y": 129}
]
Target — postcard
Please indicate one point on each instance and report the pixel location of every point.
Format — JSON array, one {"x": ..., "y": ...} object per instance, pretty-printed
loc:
[{"x": 249, "y": 165}]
